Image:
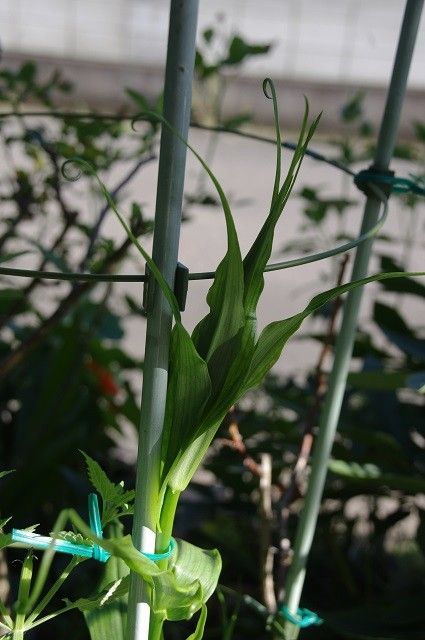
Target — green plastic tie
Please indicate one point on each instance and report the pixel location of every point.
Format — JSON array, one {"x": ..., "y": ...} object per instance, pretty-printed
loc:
[
  {"x": 95, "y": 551},
  {"x": 397, "y": 184},
  {"x": 303, "y": 618}
]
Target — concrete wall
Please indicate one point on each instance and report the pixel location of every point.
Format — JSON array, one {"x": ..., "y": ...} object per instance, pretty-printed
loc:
[
  {"x": 102, "y": 85},
  {"x": 332, "y": 41}
]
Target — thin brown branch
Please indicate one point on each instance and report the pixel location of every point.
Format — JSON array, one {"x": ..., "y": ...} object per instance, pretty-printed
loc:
[
  {"x": 267, "y": 550},
  {"x": 262, "y": 471},
  {"x": 237, "y": 443}
]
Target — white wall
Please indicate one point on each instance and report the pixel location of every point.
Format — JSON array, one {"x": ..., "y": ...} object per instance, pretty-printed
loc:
[{"x": 331, "y": 40}]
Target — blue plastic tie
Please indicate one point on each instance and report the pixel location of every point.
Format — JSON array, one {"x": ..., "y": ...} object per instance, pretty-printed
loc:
[
  {"x": 95, "y": 551},
  {"x": 35, "y": 541},
  {"x": 303, "y": 618},
  {"x": 96, "y": 526}
]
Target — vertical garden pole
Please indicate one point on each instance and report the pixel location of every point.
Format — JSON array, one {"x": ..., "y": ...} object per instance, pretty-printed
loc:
[
  {"x": 172, "y": 160},
  {"x": 344, "y": 345}
]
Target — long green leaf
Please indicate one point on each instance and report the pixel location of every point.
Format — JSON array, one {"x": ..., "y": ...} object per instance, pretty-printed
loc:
[
  {"x": 189, "y": 387},
  {"x": 257, "y": 257},
  {"x": 191, "y": 580},
  {"x": 225, "y": 297},
  {"x": 267, "y": 350},
  {"x": 108, "y": 618},
  {"x": 274, "y": 337},
  {"x": 178, "y": 592},
  {"x": 200, "y": 626}
]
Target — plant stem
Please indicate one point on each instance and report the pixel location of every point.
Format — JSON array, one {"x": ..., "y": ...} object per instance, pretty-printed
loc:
[
  {"x": 46, "y": 562},
  {"x": 54, "y": 589}
]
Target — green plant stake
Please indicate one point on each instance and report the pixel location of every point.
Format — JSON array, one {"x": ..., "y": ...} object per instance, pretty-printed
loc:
[
  {"x": 177, "y": 104},
  {"x": 343, "y": 350}
]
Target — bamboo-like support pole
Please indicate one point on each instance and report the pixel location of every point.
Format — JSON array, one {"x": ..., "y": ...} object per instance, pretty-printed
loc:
[
  {"x": 344, "y": 346},
  {"x": 172, "y": 162}
]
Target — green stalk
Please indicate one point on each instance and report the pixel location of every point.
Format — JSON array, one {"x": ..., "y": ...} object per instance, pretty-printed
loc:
[
  {"x": 53, "y": 589},
  {"x": 344, "y": 346},
  {"x": 177, "y": 102},
  {"x": 168, "y": 513},
  {"x": 23, "y": 597},
  {"x": 46, "y": 562}
]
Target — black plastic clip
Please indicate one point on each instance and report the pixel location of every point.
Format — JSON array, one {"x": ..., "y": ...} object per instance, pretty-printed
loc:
[
  {"x": 181, "y": 285},
  {"x": 364, "y": 178}
]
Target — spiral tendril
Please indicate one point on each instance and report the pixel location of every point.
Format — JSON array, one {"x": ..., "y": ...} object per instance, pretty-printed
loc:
[
  {"x": 72, "y": 169},
  {"x": 269, "y": 89}
]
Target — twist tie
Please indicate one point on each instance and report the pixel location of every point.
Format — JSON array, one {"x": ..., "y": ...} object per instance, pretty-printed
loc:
[
  {"x": 96, "y": 526},
  {"x": 388, "y": 181},
  {"x": 95, "y": 551},
  {"x": 303, "y": 618}
]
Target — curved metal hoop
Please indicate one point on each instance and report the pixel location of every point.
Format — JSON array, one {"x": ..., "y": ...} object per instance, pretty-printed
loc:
[
  {"x": 205, "y": 275},
  {"x": 209, "y": 275}
]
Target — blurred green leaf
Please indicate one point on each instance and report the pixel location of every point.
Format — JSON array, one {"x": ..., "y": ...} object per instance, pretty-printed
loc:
[
  {"x": 237, "y": 121},
  {"x": 370, "y": 474},
  {"x": 378, "y": 380},
  {"x": 13, "y": 299},
  {"x": 239, "y": 49},
  {"x": 353, "y": 109}
]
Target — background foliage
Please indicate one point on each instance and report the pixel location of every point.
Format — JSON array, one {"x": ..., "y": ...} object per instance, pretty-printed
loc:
[{"x": 66, "y": 382}]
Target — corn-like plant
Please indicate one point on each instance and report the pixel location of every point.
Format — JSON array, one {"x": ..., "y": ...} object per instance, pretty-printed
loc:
[{"x": 209, "y": 371}]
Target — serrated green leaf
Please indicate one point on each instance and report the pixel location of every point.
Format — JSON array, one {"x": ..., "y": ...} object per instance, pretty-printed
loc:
[
  {"x": 71, "y": 536},
  {"x": 114, "y": 498},
  {"x": 99, "y": 479},
  {"x": 31, "y": 528}
]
